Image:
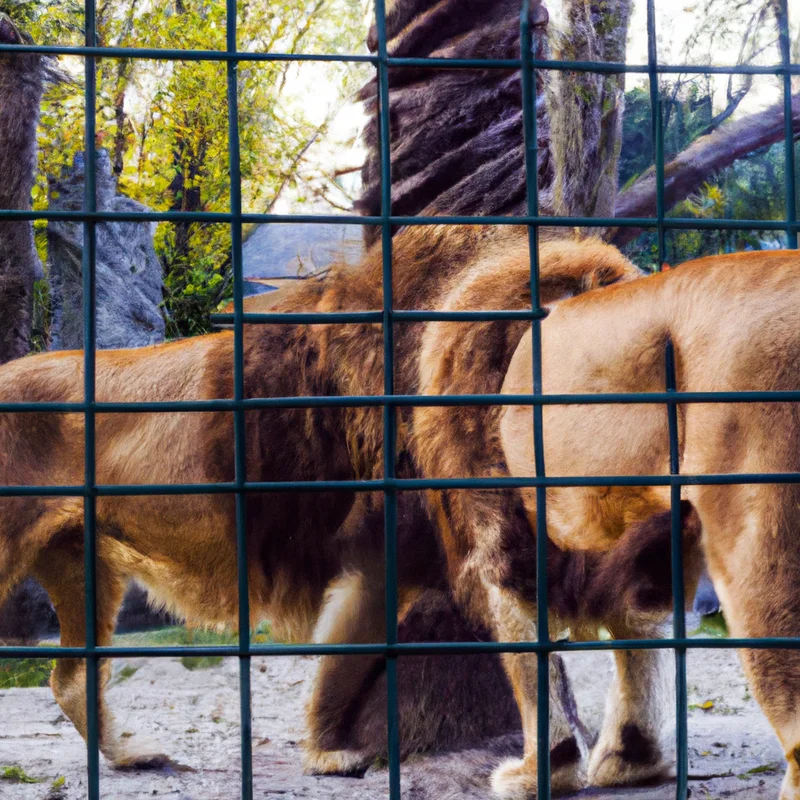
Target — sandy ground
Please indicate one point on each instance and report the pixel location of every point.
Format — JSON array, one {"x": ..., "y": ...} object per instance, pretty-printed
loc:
[{"x": 195, "y": 716}]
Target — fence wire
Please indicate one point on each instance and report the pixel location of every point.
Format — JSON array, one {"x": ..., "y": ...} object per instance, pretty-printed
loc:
[{"x": 390, "y": 485}]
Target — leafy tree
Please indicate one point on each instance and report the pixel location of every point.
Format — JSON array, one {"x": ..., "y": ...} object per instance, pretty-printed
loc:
[
  {"x": 752, "y": 188},
  {"x": 165, "y": 122}
]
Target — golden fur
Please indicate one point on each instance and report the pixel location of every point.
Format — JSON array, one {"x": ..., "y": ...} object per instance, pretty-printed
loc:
[
  {"x": 182, "y": 548},
  {"x": 735, "y": 325}
]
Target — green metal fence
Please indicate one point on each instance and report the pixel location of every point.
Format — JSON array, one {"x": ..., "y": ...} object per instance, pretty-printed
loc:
[{"x": 391, "y": 650}]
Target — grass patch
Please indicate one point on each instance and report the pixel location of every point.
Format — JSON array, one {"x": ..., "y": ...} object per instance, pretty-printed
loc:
[
  {"x": 713, "y": 626},
  {"x": 17, "y": 775},
  {"x": 180, "y": 635},
  {"x": 124, "y": 674},
  {"x": 25, "y": 673},
  {"x": 771, "y": 768}
]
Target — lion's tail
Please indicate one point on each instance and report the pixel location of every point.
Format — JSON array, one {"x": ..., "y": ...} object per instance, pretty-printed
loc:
[{"x": 635, "y": 575}]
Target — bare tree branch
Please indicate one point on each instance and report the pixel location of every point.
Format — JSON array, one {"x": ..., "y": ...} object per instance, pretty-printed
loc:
[
  {"x": 287, "y": 176},
  {"x": 699, "y": 162}
]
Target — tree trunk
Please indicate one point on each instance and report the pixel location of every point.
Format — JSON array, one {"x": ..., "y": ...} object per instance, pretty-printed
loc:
[
  {"x": 456, "y": 135},
  {"x": 21, "y": 87},
  {"x": 586, "y": 108}
]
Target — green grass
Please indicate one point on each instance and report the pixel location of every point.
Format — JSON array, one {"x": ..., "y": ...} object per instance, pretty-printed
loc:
[
  {"x": 17, "y": 775},
  {"x": 713, "y": 626},
  {"x": 28, "y": 673},
  {"x": 771, "y": 768},
  {"x": 179, "y": 635},
  {"x": 25, "y": 673}
]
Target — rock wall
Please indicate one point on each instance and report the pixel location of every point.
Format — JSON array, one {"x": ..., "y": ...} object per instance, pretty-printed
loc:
[{"x": 128, "y": 272}]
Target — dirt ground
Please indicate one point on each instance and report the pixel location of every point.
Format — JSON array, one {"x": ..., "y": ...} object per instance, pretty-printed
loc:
[{"x": 194, "y": 715}]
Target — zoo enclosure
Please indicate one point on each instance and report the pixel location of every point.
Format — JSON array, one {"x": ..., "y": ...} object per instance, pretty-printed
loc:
[{"x": 391, "y": 650}]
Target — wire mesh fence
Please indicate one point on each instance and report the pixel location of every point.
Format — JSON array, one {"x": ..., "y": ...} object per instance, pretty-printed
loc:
[{"x": 389, "y": 484}]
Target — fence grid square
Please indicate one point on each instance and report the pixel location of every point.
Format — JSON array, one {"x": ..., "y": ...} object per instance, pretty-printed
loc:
[{"x": 390, "y": 485}]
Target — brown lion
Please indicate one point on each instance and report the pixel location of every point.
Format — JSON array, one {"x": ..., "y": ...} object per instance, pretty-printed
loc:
[
  {"x": 303, "y": 548},
  {"x": 300, "y": 546}
]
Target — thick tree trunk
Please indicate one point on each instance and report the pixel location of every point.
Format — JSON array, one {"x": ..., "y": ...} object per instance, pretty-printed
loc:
[
  {"x": 21, "y": 87},
  {"x": 586, "y": 108},
  {"x": 699, "y": 162},
  {"x": 456, "y": 135}
]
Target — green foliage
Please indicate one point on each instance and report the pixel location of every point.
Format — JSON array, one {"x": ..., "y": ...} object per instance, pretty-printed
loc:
[
  {"x": 165, "y": 122},
  {"x": 47, "y": 21},
  {"x": 17, "y": 775},
  {"x": 25, "y": 673},
  {"x": 752, "y": 188}
]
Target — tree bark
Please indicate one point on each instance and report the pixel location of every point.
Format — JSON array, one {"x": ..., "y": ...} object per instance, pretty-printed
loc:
[
  {"x": 699, "y": 162},
  {"x": 586, "y": 108},
  {"x": 21, "y": 87}
]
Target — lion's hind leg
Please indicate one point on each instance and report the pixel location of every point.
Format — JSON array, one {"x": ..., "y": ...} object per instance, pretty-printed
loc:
[
  {"x": 60, "y": 569},
  {"x": 758, "y": 577},
  {"x": 516, "y": 779},
  {"x": 354, "y": 613},
  {"x": 638, "y": 574}
]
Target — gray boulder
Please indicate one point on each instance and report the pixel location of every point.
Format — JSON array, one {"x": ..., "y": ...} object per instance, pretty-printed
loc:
[{"x": 128, "y": 272}]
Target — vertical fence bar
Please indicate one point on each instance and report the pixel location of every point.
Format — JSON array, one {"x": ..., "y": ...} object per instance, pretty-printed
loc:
[
  {"x": 678, "y": 587},
  {"x": 786, "y": 58},
  {"x": 657, "y": 126},
  {"x": 389, "y": 412},
  {"x": 89, "y": 466},
  {"x": 240, "y": 451},
  {"x": 529, "y": 122}
]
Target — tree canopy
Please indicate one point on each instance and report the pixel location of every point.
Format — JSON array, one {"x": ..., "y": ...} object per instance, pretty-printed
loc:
[{"x": 165, "y": 122}]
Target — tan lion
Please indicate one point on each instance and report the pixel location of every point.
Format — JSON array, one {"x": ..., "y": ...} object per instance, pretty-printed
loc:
[{"x": 735, "y": 325}]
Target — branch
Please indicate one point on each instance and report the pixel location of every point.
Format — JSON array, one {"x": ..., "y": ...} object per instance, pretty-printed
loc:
[
  {"x": 287, "y": 175},
  {"x": 699, "y": 162}
]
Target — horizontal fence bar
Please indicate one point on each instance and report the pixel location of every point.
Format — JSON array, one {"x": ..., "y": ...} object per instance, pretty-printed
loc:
[
  {"x": 407, "y": 400},
  {"x": 325, "y": 318},
  {"x": 302, "y": 318},
  {"x": 404, "y": 648},
  {"x": 174, "y": 54},
  {"x": 404, "y": 484},
  {"x": 677, "y": 223}
]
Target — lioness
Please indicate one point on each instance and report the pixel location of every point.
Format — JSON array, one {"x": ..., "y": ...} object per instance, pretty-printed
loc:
[
  {"x": 734, "y": 322},
  {"x": 182, "y": 548}
]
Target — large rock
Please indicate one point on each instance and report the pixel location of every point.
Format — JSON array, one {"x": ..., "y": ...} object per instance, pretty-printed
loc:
[{"x": 128, "y": 272}]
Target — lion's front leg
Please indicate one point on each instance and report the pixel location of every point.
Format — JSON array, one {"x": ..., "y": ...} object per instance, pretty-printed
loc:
[
  {"x": 516, "y": 779},
  {"x": 60, "y": 571},
  {"x": 353, "y": 613}
]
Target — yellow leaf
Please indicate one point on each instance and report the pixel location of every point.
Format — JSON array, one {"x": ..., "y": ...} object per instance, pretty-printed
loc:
[{"x": 707, "y": 705}]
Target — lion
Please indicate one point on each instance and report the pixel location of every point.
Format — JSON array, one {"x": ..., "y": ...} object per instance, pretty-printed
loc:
[
  {"x": 299, "y": 544},
  {"x": 734, "y": 323}
]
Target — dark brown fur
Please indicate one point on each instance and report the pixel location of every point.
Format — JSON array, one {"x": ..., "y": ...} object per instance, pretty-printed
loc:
[{"x": 297, "y": 542}]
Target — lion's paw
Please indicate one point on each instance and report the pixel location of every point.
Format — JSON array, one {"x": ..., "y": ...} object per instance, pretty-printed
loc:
[
  {"x": 637, "y": 759},
  {"x": 350, "y": 763},
  {"x": 516, "y": 779},
  {"x": 790, "y": 790},
  {"x": 144, "y": 755}
]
